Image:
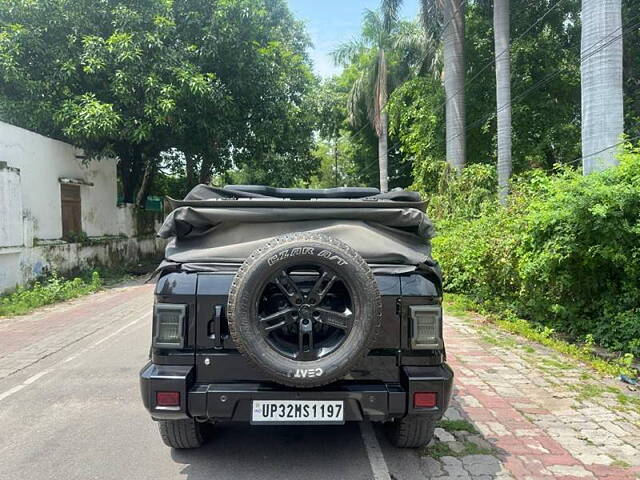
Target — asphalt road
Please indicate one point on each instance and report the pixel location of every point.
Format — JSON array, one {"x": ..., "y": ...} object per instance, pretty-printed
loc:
[{"x": 77, "y": 414}]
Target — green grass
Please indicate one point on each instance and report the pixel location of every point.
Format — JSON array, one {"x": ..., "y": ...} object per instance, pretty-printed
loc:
[
  {"x": 457, "y": 426},
  {"x": 458, "y": 308},
  {"x": 440, "y": 449},
  {"x": 52, "y": 290},
  {"x": 497, "y": 341},
  {"x": 545, "y": 336},
  {"x": 588, "y": 391},
  {"x": 56, "y": 288},
  {"x": 628, "y": 400},
  {"x": 550, "y": 362}
]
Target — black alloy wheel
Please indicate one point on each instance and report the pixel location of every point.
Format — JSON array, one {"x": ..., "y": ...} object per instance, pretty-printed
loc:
[{"x": 305, "y": 312}]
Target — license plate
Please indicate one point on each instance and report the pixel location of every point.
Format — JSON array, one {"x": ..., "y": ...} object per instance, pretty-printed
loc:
[{"x": 297, "y": 411}]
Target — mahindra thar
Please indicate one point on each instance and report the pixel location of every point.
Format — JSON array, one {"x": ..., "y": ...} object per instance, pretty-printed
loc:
[{"x": 297, "y": 307}]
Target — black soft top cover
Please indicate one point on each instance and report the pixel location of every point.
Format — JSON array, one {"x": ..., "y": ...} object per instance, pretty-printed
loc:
[
  {"x": 216, "y": 229},
  {"x": 303, "y": 193}
]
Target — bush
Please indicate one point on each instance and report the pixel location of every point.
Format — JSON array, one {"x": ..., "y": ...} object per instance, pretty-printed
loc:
[
  {"x": 565, "y": 253},
  {"x": 53, "y": 289}
]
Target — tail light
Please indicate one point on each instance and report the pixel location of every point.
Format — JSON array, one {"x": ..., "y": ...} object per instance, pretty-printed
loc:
[
  {"x": 168, "y": 325},
  {"x": 426, "y": 326},
  {"x": 168, "y": 399},
  {"x": 425, "y": 399}
]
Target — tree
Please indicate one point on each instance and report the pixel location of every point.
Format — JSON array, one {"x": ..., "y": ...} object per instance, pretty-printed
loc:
[
  {"x": 454, "y": 73},
  {"x": 447, "y": 17},
  {"x": 602, "y": 92},
  {"x": 371, "y": 88},
  {"x": 105, "y": 77},
  {"x": 228, "y": 84},
  {"x": 416, "y": 120},
  {"x": 501, "y": 26},
  {"x": 264, "y": 122},
  {"x": 387, "y": 53},
  {"x": 631, "y": 70},
  {"x": 331, "y": 115},
  {"x": 546, "y": 93}
]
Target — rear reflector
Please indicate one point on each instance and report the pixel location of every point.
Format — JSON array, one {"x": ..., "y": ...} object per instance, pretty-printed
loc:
[
  {"x": 168, "y": 399},
  {"x": 425, "y": 399}
]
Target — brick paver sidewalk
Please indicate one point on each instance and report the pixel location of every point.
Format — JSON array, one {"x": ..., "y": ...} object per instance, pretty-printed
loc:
[{"x": 539, "y": 415}]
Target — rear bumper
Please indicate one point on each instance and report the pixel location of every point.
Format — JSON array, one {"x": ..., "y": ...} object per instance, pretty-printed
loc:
[{"x": 232, "y": 401}]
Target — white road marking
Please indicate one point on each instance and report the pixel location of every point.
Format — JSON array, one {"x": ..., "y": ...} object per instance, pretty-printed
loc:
[
  {"x": 41, "y": 374},
  {"x": 374, "y": 452},
  {"x": 11, "y": 391},
  {"x": 130, "y": 324},
  {"x": 30, "y": 380}
]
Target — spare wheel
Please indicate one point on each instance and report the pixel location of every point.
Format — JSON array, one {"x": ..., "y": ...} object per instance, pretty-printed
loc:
[{"x": 303, "y": 308}]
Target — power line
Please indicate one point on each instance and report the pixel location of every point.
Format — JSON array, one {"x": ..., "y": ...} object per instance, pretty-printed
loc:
[
  {"x": 353, "y": 135},
  {"x": 626, "y": 140},
  {"x": 542, "y": 82},
  {"x": 488, "y": 64},
  {"x": 590, "y": 52},
  {"x": 453, "y": 15},
  {"x": 594, "y": 49}
]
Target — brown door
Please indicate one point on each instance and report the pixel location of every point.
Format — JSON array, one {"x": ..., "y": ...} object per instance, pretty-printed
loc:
[{"x": 71, "y": 211}]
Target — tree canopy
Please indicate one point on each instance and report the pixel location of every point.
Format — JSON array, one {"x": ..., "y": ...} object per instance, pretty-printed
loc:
[{"x": 227, "y": 82}]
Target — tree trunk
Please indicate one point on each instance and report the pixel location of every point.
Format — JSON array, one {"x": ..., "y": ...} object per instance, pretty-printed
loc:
[
  {"x": 129, "y": 169},
  {"x": 335, "y": 159},
  {"x": 126, "y": 178},
  {"x": 382, "y": 153},
  {"x": 454, "y": 71},
  {"x": 206, "y": 165},
  {"x": 190, "y": 167},
  {"x": 147, "y": 181},
  {"x": 501, "y": 28},
  {"x": 383, "y": 123},
  {"x": 206, "y": 170},
  {"x": 601, "y": 82}
]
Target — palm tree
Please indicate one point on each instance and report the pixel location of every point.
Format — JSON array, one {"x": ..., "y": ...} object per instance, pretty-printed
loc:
[
  {"x": 454, "y": 69},
  {"x": 501, "y": 28},
  {"x": 385, "y": 54},
  {"x": 601, "y": 81},
  {"x": 447, "y": 16},
  {"x": 371, "y": 87}
]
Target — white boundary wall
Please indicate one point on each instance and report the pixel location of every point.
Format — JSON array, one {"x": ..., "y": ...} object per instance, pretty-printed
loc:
[{"x": 31, "y": 167}]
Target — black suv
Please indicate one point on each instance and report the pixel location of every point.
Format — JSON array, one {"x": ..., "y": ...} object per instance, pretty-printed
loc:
[{"x": 294, "y": 306}]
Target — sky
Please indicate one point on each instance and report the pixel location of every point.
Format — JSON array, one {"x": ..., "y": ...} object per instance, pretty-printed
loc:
[{"x": 332, "y": 22}]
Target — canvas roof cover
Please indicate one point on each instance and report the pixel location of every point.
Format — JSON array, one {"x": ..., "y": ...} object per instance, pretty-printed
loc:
[{"x": 216, "y": 229}]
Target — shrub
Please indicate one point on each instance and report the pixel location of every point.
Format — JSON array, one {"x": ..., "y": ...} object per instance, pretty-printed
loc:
[
  {"x": 53, "y": 289},
  {"x": 565, "y": 253}
]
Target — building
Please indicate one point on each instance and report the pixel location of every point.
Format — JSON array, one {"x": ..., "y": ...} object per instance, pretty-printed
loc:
[{"x": 59, "y": 211}]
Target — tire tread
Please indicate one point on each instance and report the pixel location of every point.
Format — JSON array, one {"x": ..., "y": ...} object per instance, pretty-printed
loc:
[
  {"x": 182, "y": 434},
  {"x": 411, "y": 431},
  {"x": 244, "y": 269}
]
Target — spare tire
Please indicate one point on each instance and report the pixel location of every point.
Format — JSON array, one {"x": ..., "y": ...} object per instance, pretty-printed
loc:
[{"x": 303, "y": 308}]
